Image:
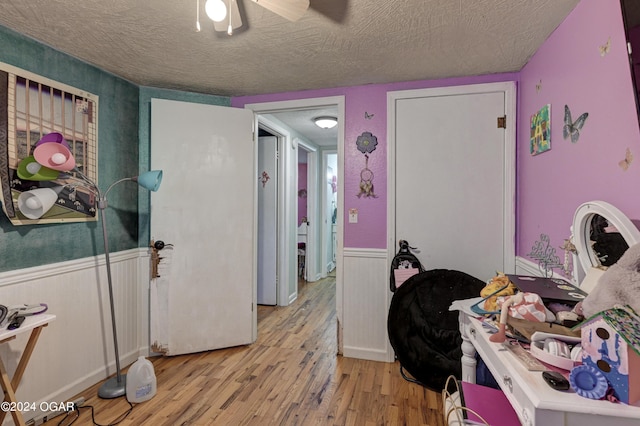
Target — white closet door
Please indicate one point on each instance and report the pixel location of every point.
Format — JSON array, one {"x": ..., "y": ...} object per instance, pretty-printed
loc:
[
  {"x": 450, "y": 180},
  {"x": 267, "y": 220},
  {"x": 206, "y": 209}
]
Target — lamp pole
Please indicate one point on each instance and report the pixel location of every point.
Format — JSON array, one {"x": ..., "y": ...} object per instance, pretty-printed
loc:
[{"x": 115, "y": 386}]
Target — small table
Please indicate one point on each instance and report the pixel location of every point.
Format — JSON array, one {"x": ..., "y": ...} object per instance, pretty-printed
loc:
[{"x": 35, "y": 324}]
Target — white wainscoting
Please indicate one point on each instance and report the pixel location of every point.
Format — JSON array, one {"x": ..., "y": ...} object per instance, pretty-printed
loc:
[
  {"x": 74, "y": 350},
  {"x": 366, "y": 299}
]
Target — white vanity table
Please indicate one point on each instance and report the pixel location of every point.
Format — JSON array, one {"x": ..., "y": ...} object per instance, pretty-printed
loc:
[{"x": 532, "y": 399}]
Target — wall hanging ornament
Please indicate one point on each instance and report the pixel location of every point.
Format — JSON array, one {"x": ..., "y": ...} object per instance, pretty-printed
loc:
[
  {"x": 545, "y": 254},
  {"x": 605, "y": 48},
  {"x": 366, "y": 144},
  {"x": 628, "y": 158},
  {"x": 572, "y": 128},
  {"x": 264, "y": 178}
]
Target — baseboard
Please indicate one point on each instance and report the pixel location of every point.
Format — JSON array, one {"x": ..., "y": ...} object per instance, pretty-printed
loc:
[{"x": 366, "y": 353}]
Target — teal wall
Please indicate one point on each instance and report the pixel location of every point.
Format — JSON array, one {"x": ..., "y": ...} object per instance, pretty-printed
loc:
[
  {"x": 146, "y": 94},
  {"x": 33, "y": 245},
  {"x": 123, "y": 151}
]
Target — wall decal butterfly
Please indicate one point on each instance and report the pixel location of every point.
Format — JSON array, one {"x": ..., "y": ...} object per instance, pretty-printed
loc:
[
  {"x": 604, "y": 49},
  {"x": 572, "y": 128},
  {"x": 539, "y": 86},
  {"x": 368, "y": 116},
  {"x": 628, "y": 158}
]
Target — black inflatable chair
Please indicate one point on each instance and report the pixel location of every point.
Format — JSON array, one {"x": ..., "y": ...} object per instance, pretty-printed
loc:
[{"x": 423, "y": 332}]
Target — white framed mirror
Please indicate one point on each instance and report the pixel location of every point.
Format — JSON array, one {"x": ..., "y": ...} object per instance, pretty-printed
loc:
[{"x": 601, "y": 234}]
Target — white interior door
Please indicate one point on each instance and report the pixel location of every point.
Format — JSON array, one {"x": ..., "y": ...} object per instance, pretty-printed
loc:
[
  {"x": 267, "y": 220},
  {"x": 453, "y": 180},
  {"x": 206, "y": 209}
]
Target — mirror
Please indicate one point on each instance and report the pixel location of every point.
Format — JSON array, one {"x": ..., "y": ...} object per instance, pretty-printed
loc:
[
  {"x": 608, "y": 244},
  {"x": 631, "y": 19},
  {"x": 602, "y": 233}
]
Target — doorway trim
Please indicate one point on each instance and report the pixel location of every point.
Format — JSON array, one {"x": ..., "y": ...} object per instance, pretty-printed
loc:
[
  {"x": 326, "y": 225},
  {"x": 311, "y": 270},
  {"x": 283, "y": 266},
  {"x": 296, "y": 104}
]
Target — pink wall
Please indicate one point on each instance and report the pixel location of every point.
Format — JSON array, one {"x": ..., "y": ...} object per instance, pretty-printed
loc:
[
  {"x": 569, "y": 69},
  {"x": 371, "y": 229}
]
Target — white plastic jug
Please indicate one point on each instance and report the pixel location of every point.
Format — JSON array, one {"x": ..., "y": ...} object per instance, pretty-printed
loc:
[{"x": 140, "y": 381}]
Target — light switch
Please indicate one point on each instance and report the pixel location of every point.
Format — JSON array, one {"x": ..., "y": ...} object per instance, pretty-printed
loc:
[{"x": 353, "y": 215}]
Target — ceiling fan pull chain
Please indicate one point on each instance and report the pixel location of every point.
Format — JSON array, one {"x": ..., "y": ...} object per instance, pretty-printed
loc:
[
  {"x": 230, "y": 28},
  {"x": 198, "y": 15}
]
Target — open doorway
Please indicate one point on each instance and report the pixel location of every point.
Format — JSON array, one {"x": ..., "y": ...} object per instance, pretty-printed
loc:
[{"x": 278, "y": 116}]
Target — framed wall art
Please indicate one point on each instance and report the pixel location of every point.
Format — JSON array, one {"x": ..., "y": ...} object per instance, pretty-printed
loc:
[
  {"x": 541, "y": 131},
  {"x": 32, "y": 107}
]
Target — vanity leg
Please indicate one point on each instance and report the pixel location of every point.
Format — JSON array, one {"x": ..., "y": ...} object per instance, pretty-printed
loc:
[{"x": 468, "y": 351}]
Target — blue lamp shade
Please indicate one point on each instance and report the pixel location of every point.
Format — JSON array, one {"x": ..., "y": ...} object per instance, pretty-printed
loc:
[{"x": 150, "y": 180}]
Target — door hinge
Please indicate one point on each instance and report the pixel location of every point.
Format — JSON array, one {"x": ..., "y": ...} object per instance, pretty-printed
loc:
[{"x": 502, "y": 122}]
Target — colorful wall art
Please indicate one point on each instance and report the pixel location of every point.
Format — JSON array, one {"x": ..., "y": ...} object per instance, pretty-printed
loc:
[{"x": 541, "y": 130}]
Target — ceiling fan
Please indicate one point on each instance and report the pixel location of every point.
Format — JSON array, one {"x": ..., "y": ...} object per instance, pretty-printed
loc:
[{"x": 226, "y": 16}]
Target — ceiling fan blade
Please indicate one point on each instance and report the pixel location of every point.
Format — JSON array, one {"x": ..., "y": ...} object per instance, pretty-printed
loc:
[
  {"x": 234, "y": 15},
  {"x": 336, "y": 10},
  {"x": 288, "y": 9}
]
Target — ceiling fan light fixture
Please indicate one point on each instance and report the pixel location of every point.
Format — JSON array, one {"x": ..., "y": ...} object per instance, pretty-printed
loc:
[
  {"x": 216, "y": 10},
  {"x": 326, "y": 122}
]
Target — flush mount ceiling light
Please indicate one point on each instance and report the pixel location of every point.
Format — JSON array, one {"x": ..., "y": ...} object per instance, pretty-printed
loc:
[
  {"x": 326, "y": 122},
  {"x": 216, "y": 10}
]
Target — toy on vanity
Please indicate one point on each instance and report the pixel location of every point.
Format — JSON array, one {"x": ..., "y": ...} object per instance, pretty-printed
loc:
[{"x": 610, "y": 356}]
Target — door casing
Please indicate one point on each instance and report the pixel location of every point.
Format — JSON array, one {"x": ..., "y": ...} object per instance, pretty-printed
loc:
[{"x": 289, "y": 233}]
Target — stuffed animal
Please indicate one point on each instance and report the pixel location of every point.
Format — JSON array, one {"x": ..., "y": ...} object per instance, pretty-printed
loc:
[
  {"x": 498, "y": 286},
  {"x": 618, "y": 285}
]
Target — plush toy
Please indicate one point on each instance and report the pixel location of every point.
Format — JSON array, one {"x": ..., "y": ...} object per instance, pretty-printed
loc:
[
  {"x": 492, "y": 291},
  {"x": 618, "y": 285}
]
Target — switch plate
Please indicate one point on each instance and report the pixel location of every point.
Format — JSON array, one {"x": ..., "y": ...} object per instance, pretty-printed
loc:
[{"x": 353, "y": 215}]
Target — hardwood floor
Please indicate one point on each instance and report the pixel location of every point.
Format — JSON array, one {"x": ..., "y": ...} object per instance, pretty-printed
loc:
[{"x": 290, "y": 376}]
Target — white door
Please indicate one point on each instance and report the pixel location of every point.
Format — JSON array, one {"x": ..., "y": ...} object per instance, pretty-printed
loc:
[
  {"x": 205, "y": 208},
  {"x": 267, "y": 220},
  {"x": 453, "y": 184}
]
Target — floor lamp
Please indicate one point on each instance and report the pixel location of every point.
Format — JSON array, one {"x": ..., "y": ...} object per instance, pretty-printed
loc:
[{"x": 50, "y": 155}]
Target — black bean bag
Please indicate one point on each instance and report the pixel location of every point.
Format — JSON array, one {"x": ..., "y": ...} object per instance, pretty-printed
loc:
[{"x": 422, "y": 331}]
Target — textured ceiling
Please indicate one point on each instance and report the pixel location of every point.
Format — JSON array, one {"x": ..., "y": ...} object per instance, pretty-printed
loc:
[{"x": 336, "y": 43}]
